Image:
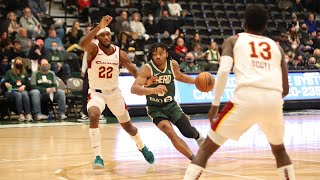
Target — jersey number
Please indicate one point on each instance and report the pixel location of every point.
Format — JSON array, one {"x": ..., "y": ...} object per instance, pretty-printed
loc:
[
  {"x": 264, "y": 51},
  {"x": 105, "y": 72}
]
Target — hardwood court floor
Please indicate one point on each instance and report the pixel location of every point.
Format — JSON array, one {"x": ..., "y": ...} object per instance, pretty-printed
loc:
[{"x": 63, "y": 151}]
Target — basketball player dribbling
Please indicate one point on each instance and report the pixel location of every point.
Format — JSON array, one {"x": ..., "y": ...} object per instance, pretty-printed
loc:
[
  {"x": 262, "y": 81},
  {"x": 104, "y": 60},
  {"x": 161, "y": 106}
]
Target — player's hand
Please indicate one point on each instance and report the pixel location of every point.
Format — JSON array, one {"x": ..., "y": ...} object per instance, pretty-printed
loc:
[
  {"x": 161, "y": 89},
  {"x": 212, "y": 112},
  {"x": 105, "y": 21},
  {"x": 151, "y": 80}
]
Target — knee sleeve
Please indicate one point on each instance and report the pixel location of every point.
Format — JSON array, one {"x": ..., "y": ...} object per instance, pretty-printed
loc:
[
  {"x": 124, "y": 118},
  {"x": 185, "y": 127}
]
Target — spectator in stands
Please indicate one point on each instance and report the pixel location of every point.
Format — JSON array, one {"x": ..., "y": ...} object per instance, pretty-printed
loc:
[
  {"x": 138, "y": 27},
  {"x": 38, "y": 8},
  {"x": 5, "y": 65},
  {"x": 58, "y": 26},
  {"x": 284, "y": 4},
  {"x": 212, "y": 57},
  {"x": 32, "y": 24},
  {"x": 17, "y": 84},
  {"x": 124, "y": 30},
  {"x": 150, "y": 25},
  {"x": 293, "y": 35},
  {"x": 297, "y": 6},
  {"x": 124, "y": 3},
  {"x": 311, "y": 23},
  {"x": 5, "y": 43},
  {"x": 157, "y": 6},
  {"x": 36, "y": 54},
  {"x": 44, "y": 85},
  {"x": 307, "y": 47},
  {"x": 167, "y": 27},
  {"x": 312, "y": 63},
  {"x": 74, "y": 34},
  {"x": 199, "y": 56},
  {"x": 13, "y": 27},
  {"x": 289, "y": 62},
  {"x": 15, "y": 51},
  {"x": 55, "y": 58},
  {"x": 180, "y": 49},
  {"x": 294, "y": 22},
  {"x": 195, "y": 40},
  {"x": 188, "y": 65},
  {"x": 26, "y": 43},
  {"x": 174, "y": 8},
  {"x": 316, "y": 54},
  {"x": 283, "y": 42},
  {"x": 37, "y": 51},
  {"x": 52, "y": 36}
]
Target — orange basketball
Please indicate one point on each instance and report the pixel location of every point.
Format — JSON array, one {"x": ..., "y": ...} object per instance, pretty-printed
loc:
[{"x": 204, "y": 82}]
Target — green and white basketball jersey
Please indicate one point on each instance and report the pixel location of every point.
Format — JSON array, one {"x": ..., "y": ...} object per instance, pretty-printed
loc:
[{"x": 165, "y": 77}]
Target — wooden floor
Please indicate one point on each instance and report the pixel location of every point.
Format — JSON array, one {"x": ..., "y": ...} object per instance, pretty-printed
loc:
[{"x": 63, "y": 151}]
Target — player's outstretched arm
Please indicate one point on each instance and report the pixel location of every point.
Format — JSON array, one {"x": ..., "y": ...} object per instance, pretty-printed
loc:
[
  {"x": 284, "y": 68},
  {"x": 86, "y": 43},
  {"x": 125, "y": 60},
  {"x": 179, "y": 76},
  {"x": 143, "y": 75},
  {"x": 226, "y": 63}
]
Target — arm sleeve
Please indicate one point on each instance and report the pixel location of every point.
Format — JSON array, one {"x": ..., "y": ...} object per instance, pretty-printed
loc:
[
  {"x": 84, "y": 62},
  {"x": 222, "y": 78}
]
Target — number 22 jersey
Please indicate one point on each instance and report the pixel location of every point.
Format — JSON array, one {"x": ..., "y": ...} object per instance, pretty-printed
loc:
[{"x": 103, "y": 70}]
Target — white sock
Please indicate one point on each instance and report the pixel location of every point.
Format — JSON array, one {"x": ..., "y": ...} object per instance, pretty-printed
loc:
[
  {"x": 95, "y": 137},
  {"x": 286, "y": 172},
  {"x": 193, "y": 172},
  {"x": 138, "y": 141}
]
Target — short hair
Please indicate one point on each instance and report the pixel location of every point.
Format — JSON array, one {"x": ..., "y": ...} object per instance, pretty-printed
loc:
[
  {"x": 155, "y": 46},
  {"x": 256, "y": 18}
]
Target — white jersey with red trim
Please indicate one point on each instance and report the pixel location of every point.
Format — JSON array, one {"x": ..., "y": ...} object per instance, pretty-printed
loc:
[
  {"x": 103, "y": 70},
  {"x": 257, "y": 62}
]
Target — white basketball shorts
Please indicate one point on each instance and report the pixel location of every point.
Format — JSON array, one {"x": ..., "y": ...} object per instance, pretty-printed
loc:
[
  {"x": 113, "y": 99},
  {"x": 250, "y": 106}
]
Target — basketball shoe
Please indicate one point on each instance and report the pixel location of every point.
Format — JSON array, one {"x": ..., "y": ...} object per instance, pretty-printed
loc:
[
  {"x": 98, "y": 163},
  {"x": 148, "y": 155}
]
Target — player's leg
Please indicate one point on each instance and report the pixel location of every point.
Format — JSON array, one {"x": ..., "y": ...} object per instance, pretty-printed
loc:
[
  {"x": 117, "y": 106},
  {"x": 230, "y": 124},
  {"x": 199, "y": 162},
  {"x": 273, "y": 128},
  {"x": 166, "y": 127},
  {"x": 95, "y": 106},
  {"x": 184, "y": 126},
  {"x": 127, "y": 125}
]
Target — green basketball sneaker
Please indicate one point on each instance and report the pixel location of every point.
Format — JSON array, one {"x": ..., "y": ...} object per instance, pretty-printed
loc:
[
  {"x": 148, "y": 155},
  {"x": 98, "y": 163}
]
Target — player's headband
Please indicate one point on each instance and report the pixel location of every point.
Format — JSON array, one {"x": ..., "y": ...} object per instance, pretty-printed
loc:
[{"x": 105, "y": 29}]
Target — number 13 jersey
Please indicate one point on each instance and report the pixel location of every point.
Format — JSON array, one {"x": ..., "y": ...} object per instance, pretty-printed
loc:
[
  {"x": 257, "y": 62},
  {"x": 103, "y": 70}
]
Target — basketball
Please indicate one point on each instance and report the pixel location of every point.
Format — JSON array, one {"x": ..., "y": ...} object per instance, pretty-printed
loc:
[{"x": 204, "y": 82}]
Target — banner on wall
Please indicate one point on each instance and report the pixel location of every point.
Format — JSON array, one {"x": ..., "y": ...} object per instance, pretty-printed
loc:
[{"x": 303, "y": 86}]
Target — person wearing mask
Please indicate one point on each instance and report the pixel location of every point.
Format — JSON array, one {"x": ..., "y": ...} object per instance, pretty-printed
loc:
[
  {"x": 150, "y": 25},
  {"x": 312, "y": 63},
  {"x": 17, "y": 84},
  {"x": 44, "y": 87},
  {"x": 188, "y": 65}
]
